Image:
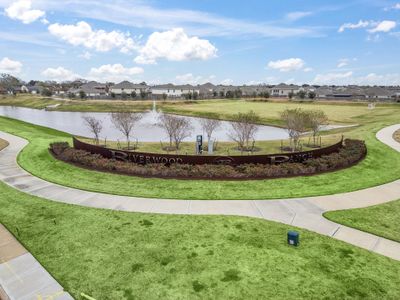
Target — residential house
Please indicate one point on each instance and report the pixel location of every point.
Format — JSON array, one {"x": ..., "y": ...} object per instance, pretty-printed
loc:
[
  {"x": 128, "y": 88},
  {"x": 284, "y": 90},
  {"x": 174, "y": 91},
  {"x": 91, "y": 89},
  {"x": 377, "y": 93}
]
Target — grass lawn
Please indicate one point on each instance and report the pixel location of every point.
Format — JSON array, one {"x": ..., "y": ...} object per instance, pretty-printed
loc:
[
  {"x": 39, "y": 102},
  {"x": 382, "y": 220},
  {"x": 396, "y": 136},
  {"x": 3, "y": 144},
  {"x": 382, "y": 165},
  {"x": 343, "y": 113},
  {"x": 116, "y": 255}
]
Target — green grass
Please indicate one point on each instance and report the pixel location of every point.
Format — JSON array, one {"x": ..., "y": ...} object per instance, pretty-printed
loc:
[
  {"x": 382, "y": 220},
  {"x": 39, "y": 102},
  {"x": 116, "y": 255},
  {"x": 382, "y": 165}
]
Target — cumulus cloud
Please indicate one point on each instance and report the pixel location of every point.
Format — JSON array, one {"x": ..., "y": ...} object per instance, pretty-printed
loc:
[
  {"x": 343, "y": 62},
  {"x": 374, "y": 27},
  {"x": 333, "y": 78},
  {"x": 287, "y": 65},
  {"x": 115, "y": 72},
  {"x": 360, "y": 24},
  {"x": 189, "y": 78},
  {"x": 86, "y": 55},
  {"x": 82, "y": 34},
  {"x": 10, "y": 66},
  {"x": 384, "y": 26},
  {"x": 21, "y": 10},
  {"x": 59, "y": 74},
  {"x": 175, "y": 45}
]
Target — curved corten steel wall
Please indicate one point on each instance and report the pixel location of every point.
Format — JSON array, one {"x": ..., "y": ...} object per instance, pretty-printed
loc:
[{"x": 148, "y": 158}]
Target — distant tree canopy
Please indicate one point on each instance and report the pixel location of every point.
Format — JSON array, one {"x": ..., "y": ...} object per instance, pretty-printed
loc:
[{"x": 8, "y": 81}]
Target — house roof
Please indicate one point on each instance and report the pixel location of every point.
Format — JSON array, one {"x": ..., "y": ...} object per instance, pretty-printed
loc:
[{"x": 128, "y": 85}]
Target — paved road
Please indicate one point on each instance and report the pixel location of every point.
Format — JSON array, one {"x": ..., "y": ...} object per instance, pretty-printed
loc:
[{"x": 301, "y": 212}]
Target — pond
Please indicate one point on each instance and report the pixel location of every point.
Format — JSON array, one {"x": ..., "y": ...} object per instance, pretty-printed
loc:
[{"x": 145, "y": 131}]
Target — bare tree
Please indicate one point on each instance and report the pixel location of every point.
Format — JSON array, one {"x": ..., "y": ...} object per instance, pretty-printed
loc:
[
  {"x": 244, "y": 128},
  {"x": 125, "y": 122},
  {"x": 95, "y": 127},
  {"x": 177, "y": 128},
  {"x": 295, "y": 121},
  {"x": 315, "y": 120},
  {"x": 209, "y": 126}
]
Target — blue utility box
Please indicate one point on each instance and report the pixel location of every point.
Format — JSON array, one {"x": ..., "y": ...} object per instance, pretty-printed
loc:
[{"x": 293, "y": 238}]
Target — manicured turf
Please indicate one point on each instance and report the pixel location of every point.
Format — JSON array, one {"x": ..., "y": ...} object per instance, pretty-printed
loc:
[
  {"x": 39, "y": 102},
  {"x": 382, "y": 220},
  {"x": 382, "y": 165},
  {"x": 115, "y": 255}
]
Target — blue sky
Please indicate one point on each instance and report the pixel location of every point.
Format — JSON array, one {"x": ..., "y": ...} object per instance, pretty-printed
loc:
[{"x": 320, "y": 42}]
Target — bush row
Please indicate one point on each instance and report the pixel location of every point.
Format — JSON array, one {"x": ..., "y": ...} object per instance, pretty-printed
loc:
[{"x": 352, "y": 152}]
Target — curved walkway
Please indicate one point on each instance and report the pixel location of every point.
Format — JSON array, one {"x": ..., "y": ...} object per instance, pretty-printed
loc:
[{"x": 305, "y": 213}]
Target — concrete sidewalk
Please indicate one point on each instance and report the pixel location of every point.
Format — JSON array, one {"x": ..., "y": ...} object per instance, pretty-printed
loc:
[
  {"x": 21, "y": 275},
  {"x": 306, "y": 213}
]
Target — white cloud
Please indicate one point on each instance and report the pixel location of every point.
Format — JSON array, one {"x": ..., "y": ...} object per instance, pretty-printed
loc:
[
  {"x": 308, "y": 70},
  {"x": 374, "y": 27},
  {"x": 189, "y": 78},
  {"x": 59, "y": 74},
  {"x": 227, "y": 81},
  {"x": 360, "y": 24},
  {"x": 10, "y": 66},
  {"x": 333, "y": 78},
  {"x": 175, "y": 45},
  {"x": 86, "y": 55},
  {"x": 116, "y": 72},
  {"x": 287, "y": 65},
  {"x": 21, "y": 10},
  {"x": 297, "y": 15},
  {"x": 82, "y": 34},
  {"x": 384, "y": 26},
  {"x": 342, "y": 63}
]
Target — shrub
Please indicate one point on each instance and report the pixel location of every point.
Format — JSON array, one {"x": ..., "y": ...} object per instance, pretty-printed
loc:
[{"x": 352, "y": 152}]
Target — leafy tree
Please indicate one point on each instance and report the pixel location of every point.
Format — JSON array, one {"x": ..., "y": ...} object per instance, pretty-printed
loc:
[
  {"x": 230, "y": 94},
  {"x": 315, "y": 120},
  {"x": 112, "y": 95},
  {"x": 222, "y": 94},
  {"x": 8, "y": 82},
  {"x": 301, "y": 94},
  {"x": 143, "y": 94},
  {"x": 47, "y": 92},
  {"x": 133, "y": 95},
  {"x": 215, "y": 94},
  {"x": 82, "y": 94},
  {"x": 296, "y": 121},
  {"x": 195, "y": 95},
  {"x": 164, "y": 96},
  {"x": 291, "y": 95},
  {"x": 124, "y": 95},
  {"x": 312, "y": 95}
]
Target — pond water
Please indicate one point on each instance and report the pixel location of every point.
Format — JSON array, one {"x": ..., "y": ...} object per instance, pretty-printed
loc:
[{"x": 145, "y": 131}]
